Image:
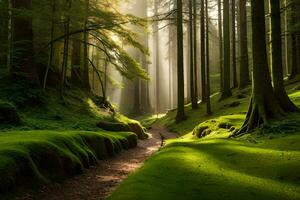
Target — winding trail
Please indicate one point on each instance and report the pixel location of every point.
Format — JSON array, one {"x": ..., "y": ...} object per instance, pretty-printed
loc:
[{"x": 99, "y": 181}]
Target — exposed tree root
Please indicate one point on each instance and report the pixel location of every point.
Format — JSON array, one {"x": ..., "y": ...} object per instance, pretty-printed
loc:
[{"x": 260, "y": 114}]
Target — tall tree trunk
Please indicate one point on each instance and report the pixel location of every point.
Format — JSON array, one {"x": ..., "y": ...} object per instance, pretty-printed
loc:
[
  {"x": 202, "y": 55},
  {"x": 192, "y": 66},
  {"x": 226, "y": 34},
  {"x": 276, "y": 55},
  {"x": 287, "y": 37},
  {"x": 180, "y": 67},
  {"x": 233, "y": 42},
  {"x": 208, "y": 105},
  {"x": 76, "y": 62},
  {"x": 4, "y": 20},
  {"x": 264, "y": 105},
  {"x": 157, "y": 57},
  {"x": 294, "y": 49},
  {"x": 85, "y": 73},
  {"x": 195, "y": 56},
  {"x": 220, "y": 31},
  {"x": 145, "y": 84},
  {"x": 51, "y": 53},
  {"x": 66, "y": 50},
  {"x": 244, "y": 77},
  {"x": 22, "y": 39}
]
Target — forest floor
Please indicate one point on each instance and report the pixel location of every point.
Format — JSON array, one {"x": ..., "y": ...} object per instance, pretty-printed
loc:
[
  {"x": 99, "y": 181},
  {"x": 263, "y": 165}
]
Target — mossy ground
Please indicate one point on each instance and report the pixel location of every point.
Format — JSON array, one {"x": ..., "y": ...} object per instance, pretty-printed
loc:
[
  {"x": 263, "y": 166},
  {"x": 56, "y": 140}
]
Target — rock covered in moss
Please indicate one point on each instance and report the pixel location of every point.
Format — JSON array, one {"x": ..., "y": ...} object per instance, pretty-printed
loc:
[
  {"x": 137, "y": 128},
  {"x": 8, "y": 114},
  {"x": 131, "y": 126},
  {"x": 113, "y": 126}
]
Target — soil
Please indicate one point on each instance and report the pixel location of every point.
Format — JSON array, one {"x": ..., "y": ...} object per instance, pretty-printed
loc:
[{"x": 100, "y": 181}]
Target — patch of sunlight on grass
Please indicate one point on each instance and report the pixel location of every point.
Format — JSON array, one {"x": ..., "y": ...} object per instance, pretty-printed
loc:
[{"x": 217, "y": 169}]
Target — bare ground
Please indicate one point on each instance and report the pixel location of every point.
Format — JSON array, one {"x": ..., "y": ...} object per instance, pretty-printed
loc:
[{"x": 99, "y": 181}]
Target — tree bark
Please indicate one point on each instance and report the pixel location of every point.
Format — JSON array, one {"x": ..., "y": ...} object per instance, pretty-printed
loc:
[
  {"x": 295, "y": 62},
  {"x": 202, "y": 49},
  {"x": 180, "y": 66},
  {"x": 276, "y": 58},
  {"x": 85, "y": 73},
  {"x": 157, "y": 57},
  {"x": 66, "y": 50},
  {"x": 220, "y": 30},
  {"x": 76, "y": 63},
  {"x": 244, "y": 77},
  {"x": 22, "y": 42},
  {"x": 195, "y": 56},
  {"x": 191, "y": 46},
  {"x": 208, "y": 104},
  {"x": 4, "y": 20},
  {"x": 264, "y": 105},
  {"x": 226, "y": 34},
  {"x": 233, "y": 43}
]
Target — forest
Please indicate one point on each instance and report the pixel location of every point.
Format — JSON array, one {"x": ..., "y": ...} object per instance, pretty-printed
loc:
[{"x": 149, "y": 99}]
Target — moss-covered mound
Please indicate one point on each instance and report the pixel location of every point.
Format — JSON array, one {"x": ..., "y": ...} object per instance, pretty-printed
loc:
[
  {"x": 32, "y": 158},
  {"x": 8, "y": 114}
]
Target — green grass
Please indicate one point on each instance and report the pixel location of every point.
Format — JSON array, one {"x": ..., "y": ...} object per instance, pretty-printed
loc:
[
  {"x": 56, "y": 140},
  {"x": 263, "y": 166},
  {"x": 218, "y": 169}
]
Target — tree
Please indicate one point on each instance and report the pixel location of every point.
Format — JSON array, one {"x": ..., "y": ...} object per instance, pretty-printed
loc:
[
  {"x": 191, "y": 53},
  {"x": 22, "y": 42},
  {"x": 208, "y": 105},
  {"x": 195, "y": 104},
  {"x": 4, "y": 32},
  {"x": 64, "y": 66},
  {"x": 264, "y": 105},
  {"x": 233, "y": 43},
  {"x": 244, "y": 78},
  {"x": 157, "y": 57},
  {"x": 276, "y": 58},
  {"x": 202, "y": 51},
  {"x": 226, "y": 34},
  {"x": 85, "y": 73},
  {"x": 220, "y": 31},
  {"x": 180, "y": 108}
]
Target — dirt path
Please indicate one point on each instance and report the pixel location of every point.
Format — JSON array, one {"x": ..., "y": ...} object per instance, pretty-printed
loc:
[{"x": 98, "y": 182}]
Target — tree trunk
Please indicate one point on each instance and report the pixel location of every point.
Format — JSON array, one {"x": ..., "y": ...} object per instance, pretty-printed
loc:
[
  {"x": 76, "y": 62},
  {"x": 276, "y": 58},
  {"x": 208, "y": 105},
  {"x": 226, "y": 34},
  {"x": 191, "y": 45},
  {"x": 202, "y": 49},
  {"x": 4, "y": 20},
  {"x": 180, "y": 67},
  {"x": 66, "y": 51},
  {"x": 264, "y": 105},
  {"x": 294, "y": 49},
  {"x": 85, "y": 73},
  {"x": 157, "y": 57},
  {"x": 22, "y": 42},
  {"x": 145, "y": 101},
  {"x": 220, "y": 30},
  {"x": 195, "y": 105},
  {"x": 233, "y": 42},
  {"x": 244, "y": 61}
]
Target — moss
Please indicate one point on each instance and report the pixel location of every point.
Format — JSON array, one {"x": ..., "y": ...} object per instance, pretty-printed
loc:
[
  {"x": 43, "y": 156},
  {"x": 9, "y": 114}
]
